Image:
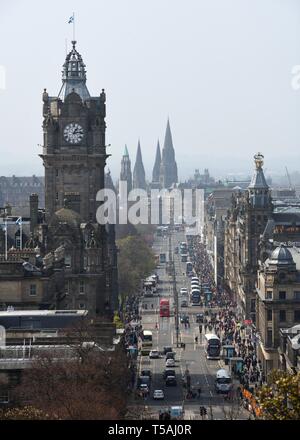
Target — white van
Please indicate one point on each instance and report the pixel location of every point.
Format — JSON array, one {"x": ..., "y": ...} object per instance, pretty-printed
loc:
[{"x": 223, "y": 382}]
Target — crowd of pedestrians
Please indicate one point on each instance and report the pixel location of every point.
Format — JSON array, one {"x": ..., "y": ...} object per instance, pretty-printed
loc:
[{"x": 223, "y": 318}]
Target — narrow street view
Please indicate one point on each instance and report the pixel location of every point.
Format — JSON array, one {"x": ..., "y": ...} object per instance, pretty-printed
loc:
[{"x": 184, "y": 371}]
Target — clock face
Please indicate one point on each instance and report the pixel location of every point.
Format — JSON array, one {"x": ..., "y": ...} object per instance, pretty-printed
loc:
[{"x": 73, "y": 133}]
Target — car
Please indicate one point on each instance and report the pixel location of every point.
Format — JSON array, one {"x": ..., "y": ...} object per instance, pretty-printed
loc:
[
  {"x": 184, "y": 303},
  {"x": 144, "y": 380},
  {"x": 158, "y": 395},
  {"x": 143, "y": 387},
  {"x": 183, "y": 291},
  {"x": 146, "y": 373},
  {"x": 167, "y": 349},
  {"x": 171, "y": 381},
  {"x": 170, "y": 363},
  {"x": 170, "y": 355},
  {"x": 154, "y": 354},
  {"x": 169, "y": 372}
]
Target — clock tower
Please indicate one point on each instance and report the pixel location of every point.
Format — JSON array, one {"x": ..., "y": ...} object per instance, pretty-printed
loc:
[{"x": 74, "y": 152}]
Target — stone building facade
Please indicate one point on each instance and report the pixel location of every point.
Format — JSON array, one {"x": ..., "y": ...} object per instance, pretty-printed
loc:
[
  {"x": 245, "y": 223},
  {"x": 278, "y": 302},
  {"x": 74, "y": 156},
  {"x": 216, "y": 206},
  {"x": 16, "y": 191},
  {"x": 29, "y": 282}
]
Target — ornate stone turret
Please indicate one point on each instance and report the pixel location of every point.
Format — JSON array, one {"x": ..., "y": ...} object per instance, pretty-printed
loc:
[
  {"x": 168, "y": 167},
  {"x": 258, "y": 190},
  {"x": 74, "y": 75},
  {"x": 139, "y": 180}
]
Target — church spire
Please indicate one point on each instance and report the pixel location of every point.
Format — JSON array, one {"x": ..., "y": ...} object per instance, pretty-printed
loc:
[
  {"x": 156, "y": 168},
  {"x": 139, "y": 180},
  {"x": 126, "y": 151},
  {"x": 168, "y": 168},
  {"x": 126, "y": 175},
  {"x": 74, "y": 75}
]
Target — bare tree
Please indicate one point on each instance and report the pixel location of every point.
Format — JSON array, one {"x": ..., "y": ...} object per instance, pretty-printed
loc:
[{"x": 81, "y": 382}]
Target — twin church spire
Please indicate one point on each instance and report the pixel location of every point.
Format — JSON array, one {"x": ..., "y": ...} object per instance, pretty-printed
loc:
[{"x": 164, "y": 173}]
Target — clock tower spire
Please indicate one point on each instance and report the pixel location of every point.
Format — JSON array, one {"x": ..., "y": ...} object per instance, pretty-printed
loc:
[
  {"x": 74, "y": 75},
  {"x": 74, "y": 152}
]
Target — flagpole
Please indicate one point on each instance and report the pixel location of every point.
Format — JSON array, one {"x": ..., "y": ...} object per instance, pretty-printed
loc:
[
  {"x": 73, "y": 26},
  {"x": 5, "y": 238}
]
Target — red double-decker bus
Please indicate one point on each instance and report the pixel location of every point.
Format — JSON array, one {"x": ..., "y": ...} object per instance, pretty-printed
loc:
[{"x": 164, "y": 308}]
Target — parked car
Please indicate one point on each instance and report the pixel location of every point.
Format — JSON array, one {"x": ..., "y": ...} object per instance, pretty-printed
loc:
[
  {"x": 154, "y": 354},
  {"x": 170, "y": 363},
  {"x": 158, "y": 395},
  {"x": 184, "y": 303}
]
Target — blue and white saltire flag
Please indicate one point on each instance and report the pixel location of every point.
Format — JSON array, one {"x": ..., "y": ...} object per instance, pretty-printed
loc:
[
  {"x": 19, "y": 221},
  {"x": 71, "y": 19}
]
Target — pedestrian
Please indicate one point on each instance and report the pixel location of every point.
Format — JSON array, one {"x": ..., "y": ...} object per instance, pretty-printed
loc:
[{"x": 196, "y": 339}]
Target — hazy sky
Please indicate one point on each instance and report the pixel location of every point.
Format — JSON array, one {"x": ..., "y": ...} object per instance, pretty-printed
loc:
[{"x": 220, "y": 69}]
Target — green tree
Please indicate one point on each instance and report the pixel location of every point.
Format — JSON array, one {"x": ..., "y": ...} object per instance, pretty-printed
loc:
[
  {"x": 135, "y": 261},
  {"x": 280, "y": 398}
]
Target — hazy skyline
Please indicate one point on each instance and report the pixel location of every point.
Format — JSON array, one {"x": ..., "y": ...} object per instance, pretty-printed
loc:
[{"x": 219, "y": 69}]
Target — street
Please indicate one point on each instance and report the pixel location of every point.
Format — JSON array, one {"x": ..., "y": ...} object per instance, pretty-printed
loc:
[{"x": 192, "y": 357}]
